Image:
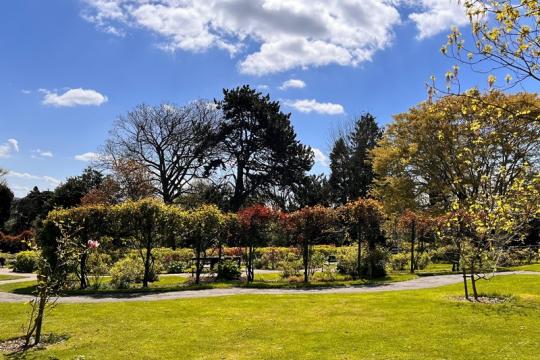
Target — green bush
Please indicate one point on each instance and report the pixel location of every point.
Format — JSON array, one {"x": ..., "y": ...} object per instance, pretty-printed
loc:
[
  {"x": 228, "y": 270},
  {"x": 98, "y": 265},
  {"x": 270, "y": 257},
  {"x": 127, "y": 272},
  {"x": 347, "y": 261},
  {"x": 290, "y": 267},
  {"x": 399, "y": 261},
  {"x": 172, "y": 261},
  {"x": 26, "y": 261},
  {"x": 423, "y": 260}
]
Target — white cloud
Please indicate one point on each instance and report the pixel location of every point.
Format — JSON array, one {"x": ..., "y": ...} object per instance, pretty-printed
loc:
[
  {"x": 9, "y": 147},
  {"x": 311, "y": 105},
  {"x": 320, "y": 158},
  {"x": 262, "y": 87},
  {"x": 292, "y": 84},
  {"x": 286, "y": 34},
  {"x": 26, "y": 91},
  {"x": 49, "y": 179},
  {"x": 87, "y": 156},
  {"x": 437, "y": 16},
  {"x": 73, "y": 97},
  {"x": 39, "y": 154},
  {"x": 290, "y": 34}
]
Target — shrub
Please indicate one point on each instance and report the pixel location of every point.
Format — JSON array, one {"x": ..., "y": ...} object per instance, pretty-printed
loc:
[
  {"x": 172, "y": 261},
  {"x": 423, "y": 260},
  {"x": 26, "y": 261},
  {"x": 14, "y": 244},
  {"x": 127, "y": 272},
  {"x": 347, "y": 261},
  {"x": 270, "y": 257},
  {"x": 290, "y": 267},
  {"x": 399, "y": 261},
  {"x": 97, "y": 266},
  {"x": 327, "y": 275},
  {"x": 228, "y": 270}
]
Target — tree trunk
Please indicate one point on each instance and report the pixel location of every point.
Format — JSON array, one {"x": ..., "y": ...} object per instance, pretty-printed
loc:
[
  {"x": 413, "y": 239},
  {"x": 359, "y": 254},
  {"x": 473, "y": 281},
  {"x": 306, "y": 261},
  {"x": 465, "y": 287},
  {"x": 250, "y": 274},
  {"x": 237, "y": 201},
  {"x": 147, "y": 259},
  {"x": 198, "y": 265},
  {"x": 84, "y": 277}
]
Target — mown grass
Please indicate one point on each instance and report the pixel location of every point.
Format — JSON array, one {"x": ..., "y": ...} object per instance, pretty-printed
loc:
[
  {"x": 9, "y": 277},
  {"x": 528, "y": 267},
  {"x": 423, "y": 324}
]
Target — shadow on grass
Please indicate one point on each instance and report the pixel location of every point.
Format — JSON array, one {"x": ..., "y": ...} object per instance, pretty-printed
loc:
[{"x": 14, "y": 348}]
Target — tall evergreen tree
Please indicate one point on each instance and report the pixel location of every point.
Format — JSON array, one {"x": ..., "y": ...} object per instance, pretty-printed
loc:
[
  {"x": 340, "y": 172},
  {"x": 258, "y": 145},
  {"x": 6, "y": 198},
  {"x": 362, "y": 140},
  {"x": 351, "y": 171}
]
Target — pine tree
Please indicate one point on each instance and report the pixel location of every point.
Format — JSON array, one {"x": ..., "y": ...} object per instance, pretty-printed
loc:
[
  {"x": 364, "y": 137},
  {"x": 258, "y": 145},
  {"x": 340, "y": 172}
]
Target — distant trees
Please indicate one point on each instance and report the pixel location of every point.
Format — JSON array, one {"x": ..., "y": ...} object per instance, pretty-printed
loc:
[
  {"x": 257, "y": 145},
  {"x": 70, "y": 193},
  {"x": 169, "y": 141},
  {"x": 28, "y": 211},
  {"x": 6, "y": 198},
  {"x": 350, "y": 164}
]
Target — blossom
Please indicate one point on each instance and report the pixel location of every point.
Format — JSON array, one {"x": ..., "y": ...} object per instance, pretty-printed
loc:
[{"x": 92, "y": 244}]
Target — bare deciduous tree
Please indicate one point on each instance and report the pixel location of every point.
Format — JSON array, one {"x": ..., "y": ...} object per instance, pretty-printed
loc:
[{"x": 169, "y": 141}]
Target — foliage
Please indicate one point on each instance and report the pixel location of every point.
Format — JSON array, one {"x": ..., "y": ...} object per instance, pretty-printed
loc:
[
  {"x": 254, "y": 221},
  {"x": 364, "y": 218},
  {"x": 204, "y": 226},
  {"x": 399, "y": 261},
  {"x": 13, "y": 244},
  {"x": 29, "y": 211},
  {"x": 127, "y": 272},
  {"x": 70, "y": 193},
  {"x": 6, "y": 198},
  {"x": 350, "y": 163},
  {"x": 504, "y": 36},
  {"x": 309, "y": 226},
  {"x": 228, "y": 270},
  {"x": 291, "y": 266},
  {"x": 172, "y": 261},
  {"x": 258, "y": 145},
  {"x": 26, "y": 261}
]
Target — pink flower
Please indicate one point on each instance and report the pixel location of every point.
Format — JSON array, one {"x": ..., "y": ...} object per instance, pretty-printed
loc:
[{"x": 92, "y": 244}]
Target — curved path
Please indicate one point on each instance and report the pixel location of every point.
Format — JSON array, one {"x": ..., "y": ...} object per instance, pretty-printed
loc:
[{"x": 425, "y": 282}]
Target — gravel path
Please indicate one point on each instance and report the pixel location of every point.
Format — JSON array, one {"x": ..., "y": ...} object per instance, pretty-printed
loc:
[{"x": 425, "y": 282}]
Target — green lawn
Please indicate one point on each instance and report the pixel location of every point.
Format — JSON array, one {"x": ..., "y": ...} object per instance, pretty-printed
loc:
[
  {"x": 530, "y": 267},
  {"x": 9, "y": 277},
  {"x": 425, "y": 324}
]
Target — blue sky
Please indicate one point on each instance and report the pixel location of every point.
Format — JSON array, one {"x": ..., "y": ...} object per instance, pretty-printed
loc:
[{"x": 68, "y": 68}]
